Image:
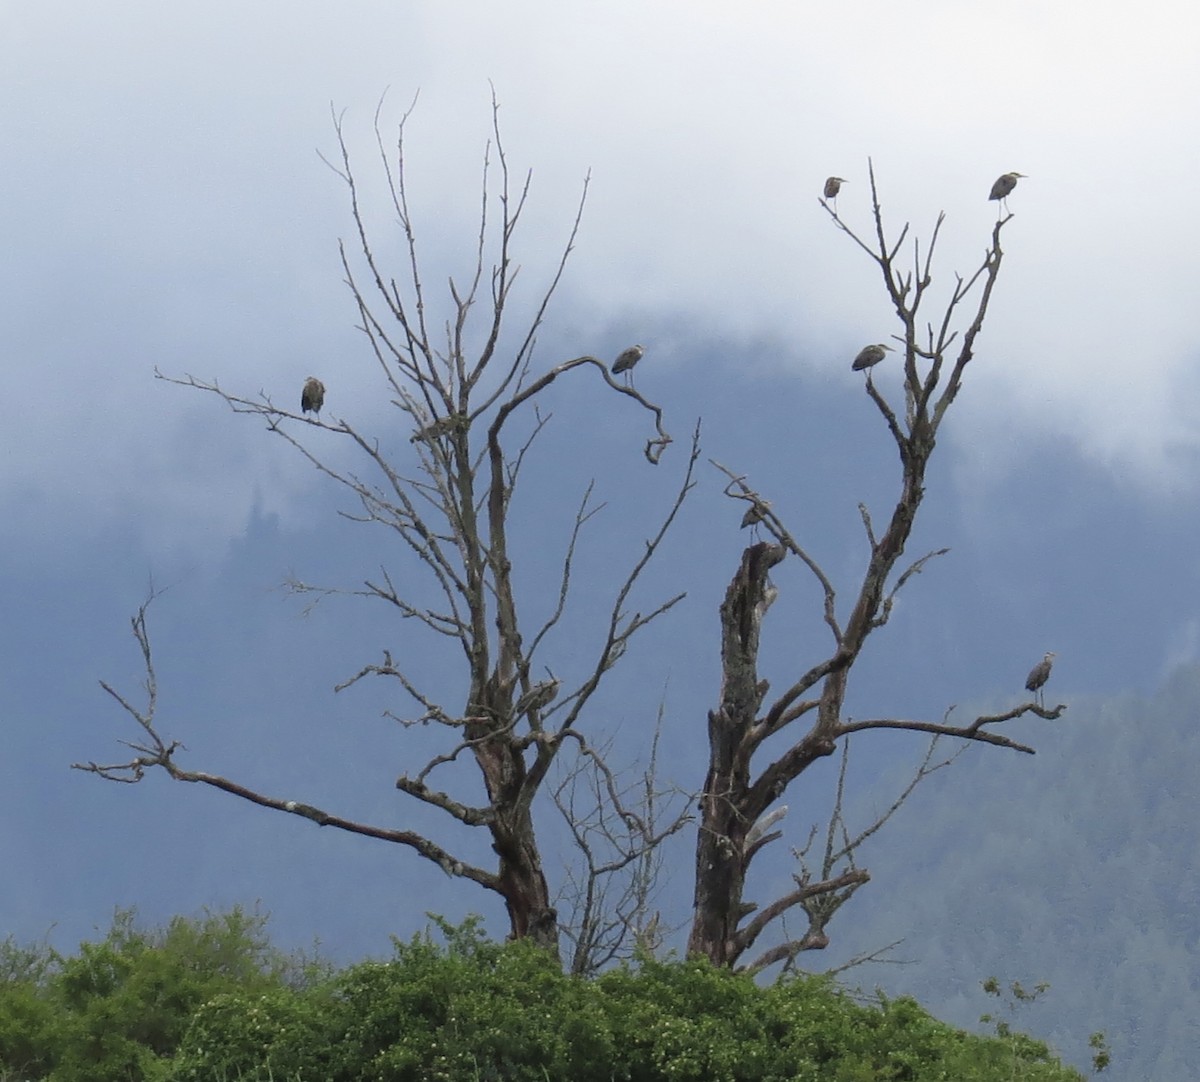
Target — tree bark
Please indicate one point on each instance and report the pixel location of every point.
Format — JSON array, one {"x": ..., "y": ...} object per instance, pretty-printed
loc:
[{"x": 726, "y": 813}]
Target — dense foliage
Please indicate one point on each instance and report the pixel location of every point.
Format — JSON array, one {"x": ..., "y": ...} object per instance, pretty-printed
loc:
[
  {"x": 119, "y": 1009},
  {"x": 211, "y": 1000}
]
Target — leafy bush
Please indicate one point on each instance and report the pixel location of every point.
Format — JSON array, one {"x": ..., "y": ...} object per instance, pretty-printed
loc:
[
  {"x": 27, "y": 1019},
  {"x": 475, "y": 1010},
  {"x": 209, "y": 1001},
  {"x": 119, "y": 1008},
  {"x": 256, "y": 1038},
  {"x": 478, "y": 1012}
]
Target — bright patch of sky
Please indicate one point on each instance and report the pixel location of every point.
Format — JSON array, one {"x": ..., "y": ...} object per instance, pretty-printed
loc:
[{"x": 165, "y": 205}]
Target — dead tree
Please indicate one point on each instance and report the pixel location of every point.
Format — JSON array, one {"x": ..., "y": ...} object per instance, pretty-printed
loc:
[
  {"x": 466, "y": 389},
  {"x": 737, "y": 790},
  {"x": 615, "y": 873}
]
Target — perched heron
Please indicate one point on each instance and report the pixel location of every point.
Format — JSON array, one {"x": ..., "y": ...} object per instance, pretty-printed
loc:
[
  {"x": 754, "y": 513},
  {"x": 313, "y": 396},
  {"x": 833, "y": 185},
  {"x": 625, "y": 361},
  {"x": 752, "y": 517},
  {"x": 442, "y": 426},
  {"x": 1003, "y": 186},
  {"x": 539, "y": 697},
  {"x": 1039, "y": 674},
  {"x": 869, "y": 356}
]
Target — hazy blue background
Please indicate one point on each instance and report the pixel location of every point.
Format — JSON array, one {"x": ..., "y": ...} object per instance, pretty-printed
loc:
[{"x": 162, "y": 204}]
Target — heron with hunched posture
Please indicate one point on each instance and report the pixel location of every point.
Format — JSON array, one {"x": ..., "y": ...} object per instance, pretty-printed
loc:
[
  {"x": 1004, "y": 184},
  {"x": 833, "y": 185},
  {"x": 625, "y": 361},
  {"x": 313, "y": 396},
  {"x": 755, "y": 513},
  {"x": 441, "y": 426},
  {"x": 1039, "y": 674},
  {"x": 869, "y": 356},
  {"x": 538, "y": 697}
]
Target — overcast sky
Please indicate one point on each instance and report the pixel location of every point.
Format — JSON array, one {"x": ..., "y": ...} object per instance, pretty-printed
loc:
[{"x": 163, "y": 205}]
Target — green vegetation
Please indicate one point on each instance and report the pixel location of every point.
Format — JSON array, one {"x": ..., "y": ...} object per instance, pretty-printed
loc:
[
  {"x": 119, "y": 1008},
  {"x": 1016, "y": 996},
  {"x": 209, "y": 1000}
]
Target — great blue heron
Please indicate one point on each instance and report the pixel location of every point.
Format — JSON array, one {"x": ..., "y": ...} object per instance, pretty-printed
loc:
[
  {"x": 443, "y": 426},
  {"x": 754, "y": 513},
  {"x": 1039, "y": 674},
  {"x": 1004, "y": 184},
  {"x": 539, "y": 697},
  {"x": 753, "y": 516},
  {"x": 625, "y": 361},
  {"x": 313, "y": 396},
  {"x": 833, "y": 185},
  {"x": 869, "y": 356}
]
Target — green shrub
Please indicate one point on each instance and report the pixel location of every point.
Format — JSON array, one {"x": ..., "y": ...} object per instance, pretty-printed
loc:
[
  {"x": 210, "y": 1001},
  {"x": 27, "y": 1036},
  {"x": 276, "y": 1035},
  {"x": 475, "y": 1011},
  {"x": 119, "y": 1008}
]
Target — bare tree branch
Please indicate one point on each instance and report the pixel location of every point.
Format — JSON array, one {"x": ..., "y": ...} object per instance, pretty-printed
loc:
[
  {"x": 464, "y": 386},
  {"x": 618, "y": 830},
  {"x": 736, "y": 794}
]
